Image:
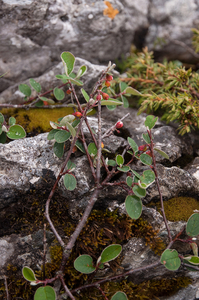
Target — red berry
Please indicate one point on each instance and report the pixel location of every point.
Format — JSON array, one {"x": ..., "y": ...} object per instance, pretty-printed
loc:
[
  {"x": 77, "y": 114},
  {"x": 107, "y": 83},
  {"x": 99, "y": 97},
  {"x": 68, "y": 92},
  {"x": 105, "y": 96},
  {"x": 109, "y": 77},
  {"x": 119, "y": 125}
]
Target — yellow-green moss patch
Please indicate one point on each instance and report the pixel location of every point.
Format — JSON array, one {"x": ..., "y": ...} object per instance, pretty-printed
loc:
[
  {"x": 36, "y": 120},
  {"x": 178, "y": 208}
]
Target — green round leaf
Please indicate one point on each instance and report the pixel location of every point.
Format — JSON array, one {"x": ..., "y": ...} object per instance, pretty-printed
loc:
[
  {"x": 25, "y": 89},
  {"x": 133, "y": 206},
  {"x": 129, "y": 181},
  {"x": 1, "y": 118},
  {"x": 70, "y": 182},
  {"x": 69, "y": 61},
  {"x": 133, "y": 144},
  {"x": 11, "y": 121},
  {"x": 28, "y": 274},
  {"x": 16, "y": 132},
  {"x": 80, "y": 146},
  {"x": 146, "y": 159},
  {"x": 70, "y": 165},
  {"x": 110, "y": 253},
  {"x": 62, "y": 136},
  {"x": 35, "y": 85},
  {"x": 148, "y": 177},
  {"x": 119, "y": 296},
  {"x": 192, "y": 227},
  {"x": 3, "y": 138},
  {"x": 92, "y": 149},
  {"x": 146, "y": 138},
  {"x": 119, "y": 160},
  {"x": 52, "y": 134},
  {"x": 58, "y": 149},
  {"x": 58, "y": 93},
  {"x": 111, "y": 163},
  {"x": 45, "y": 293},
  {"x": 124, "y": 168},
  {"x": 170, "y": 259},
  {"x": 150, "y": 121},
  {"x": 138, "y": 191},
  {"x": 84, "y": 264}
]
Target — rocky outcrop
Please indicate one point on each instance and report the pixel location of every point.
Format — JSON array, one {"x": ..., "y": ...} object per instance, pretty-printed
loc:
[
  {"x": 34, "y": 33},
  {"x": 29, "y": 165}
]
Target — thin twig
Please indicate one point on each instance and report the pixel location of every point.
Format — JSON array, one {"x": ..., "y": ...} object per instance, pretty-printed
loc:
[
  {"x": 99, "y": 145},
  {"x": 158, "y": 186},
  {"x": 78, "y": 229},
  {"x": 45, "y": 250},
  {"x": 56, "y": 183},
  {"x": 88, "y": 155},
  {"x": 116, "y": 277},
  {"x": 6, "y": 287},
  {"x": 66, "y": 288}
]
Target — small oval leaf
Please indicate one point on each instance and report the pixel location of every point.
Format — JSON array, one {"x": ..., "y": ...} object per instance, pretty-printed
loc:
[
  {"x": 192, "y": 227},
  {"x": 146, "y": 159},
  {"x": 84, "y": 264},
  {"x": 59, "y": 94},
  {"x": 162, "y": 153},
  {"x": 12, "y": 121},
  {"x": 45, "y": 293},
  {"x": 170, "y": 259},
  {"x": 129, "y": 181},
  {"x": 148, "y": 177},
  {"x": 119, "y": 296},
  {"x": 28, "y": 274},
  {"x": 124, "y": 168},
  {"x": 150, "y": 121},
  {"x": 68, "y": 61},
  {"x": 16, "y": 132},
  {"x": 92, "y": 149},
  {"x": 119, "y": 160},
  {"x": 58, "y": 149},
  {"x": 62, "y": 136},
  {"x": 132, "y": 91},
  {"x": 133, "y": 144},
  {"x": 146, "y": 138},
  {"x": 70, "y": 182},
  {"x": 110, "y": 253},
  {"x": 25, "y": 89},
  {"x": 35, "y": 85},
  {"x": 86, "y": 96},
  {"x": 133, "y": 206},
  {"x": 51, "y": 134},
  {"x": 138, "y": 191},
  {"x": 1, "y": 118}
]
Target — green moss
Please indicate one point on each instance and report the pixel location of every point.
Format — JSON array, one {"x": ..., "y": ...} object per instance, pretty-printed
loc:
[
  {"x": 36, "y": 120},
  {"x": 178, "y": 208},
  {"x": 146, "y": 290}
]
